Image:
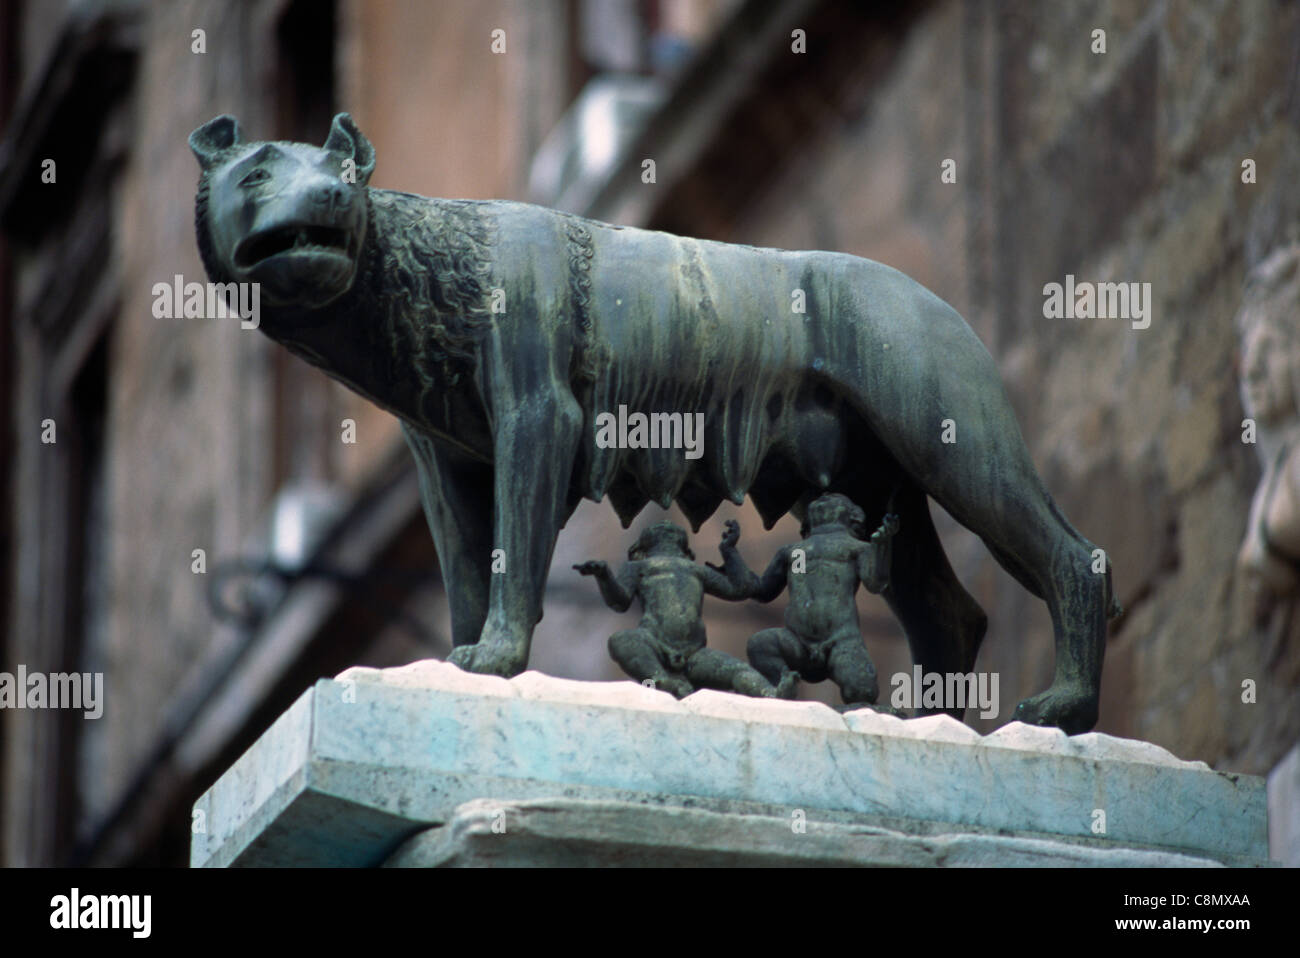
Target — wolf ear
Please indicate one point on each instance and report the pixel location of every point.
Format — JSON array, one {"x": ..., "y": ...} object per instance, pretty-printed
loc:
[
  {"x": 213, "y": 137},
  {"x": 345, "y": 138}
]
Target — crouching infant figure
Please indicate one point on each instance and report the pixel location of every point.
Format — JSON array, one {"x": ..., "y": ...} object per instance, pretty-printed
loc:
[
  {"x": 669, "y": 647},
  {"x": 821, "y": 638}
]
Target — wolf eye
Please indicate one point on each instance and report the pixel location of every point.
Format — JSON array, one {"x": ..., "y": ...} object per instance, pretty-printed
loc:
[{"x": 256, "y": 176}]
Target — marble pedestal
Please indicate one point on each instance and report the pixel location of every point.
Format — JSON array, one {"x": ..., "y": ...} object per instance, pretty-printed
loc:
[{"x": 427, "y": 765}]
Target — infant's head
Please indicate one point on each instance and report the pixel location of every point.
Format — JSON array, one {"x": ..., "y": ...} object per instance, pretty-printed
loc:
[
  {"x": 662, "y": 538},
  {"x": 835, "y": 508}
]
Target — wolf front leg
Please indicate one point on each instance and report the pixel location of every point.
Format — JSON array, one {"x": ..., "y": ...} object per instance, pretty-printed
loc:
[
  {"x": 535, "y": 449},
  {"x": 456, "y": 494}
]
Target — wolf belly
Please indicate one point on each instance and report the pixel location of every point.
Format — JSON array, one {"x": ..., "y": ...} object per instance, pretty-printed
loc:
[{"x": 741, "y": 337}]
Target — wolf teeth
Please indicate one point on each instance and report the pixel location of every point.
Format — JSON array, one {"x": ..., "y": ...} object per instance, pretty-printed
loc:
[{"x": 300, "y": 239}]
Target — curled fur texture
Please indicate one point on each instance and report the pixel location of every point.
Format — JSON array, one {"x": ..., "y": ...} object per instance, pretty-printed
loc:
[{"x": 435, "y": 256}]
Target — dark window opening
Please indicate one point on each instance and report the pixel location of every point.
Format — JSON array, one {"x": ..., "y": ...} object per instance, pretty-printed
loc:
[{"x": 86, "y": 591}]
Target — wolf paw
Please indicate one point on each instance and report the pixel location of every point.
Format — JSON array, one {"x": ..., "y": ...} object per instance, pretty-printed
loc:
[{"x": 1070, "y": 708}]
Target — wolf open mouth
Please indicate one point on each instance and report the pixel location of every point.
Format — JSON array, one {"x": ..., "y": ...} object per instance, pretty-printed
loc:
[{"x": 284, "y": 239}]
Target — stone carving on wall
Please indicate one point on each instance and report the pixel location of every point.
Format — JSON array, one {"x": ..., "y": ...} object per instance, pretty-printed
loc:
[{"x": 1270, "y": 393}]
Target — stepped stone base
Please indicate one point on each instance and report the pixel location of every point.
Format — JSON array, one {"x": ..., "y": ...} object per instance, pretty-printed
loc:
[
  {"x": 578, "y": 832},
  {"x": 428, "y": 765}
]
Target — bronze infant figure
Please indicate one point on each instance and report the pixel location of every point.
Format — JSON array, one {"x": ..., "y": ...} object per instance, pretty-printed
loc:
[
  {"x": 669, "y": 647},
  {"x": 821, "y": 638}
]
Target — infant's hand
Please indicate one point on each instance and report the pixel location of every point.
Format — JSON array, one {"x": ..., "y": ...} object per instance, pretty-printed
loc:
[
  {"x": 594, "y": 567},
  {"x": 888, "y": 528},
  {"x": 731, "y": 534}
]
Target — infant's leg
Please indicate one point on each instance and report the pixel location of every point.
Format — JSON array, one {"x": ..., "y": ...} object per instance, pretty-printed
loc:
[
  {"x": 775, "y": 653},
  {"x": 711, "y": 669},
  {"x": 851, "y": 669},
  {"x": 635, "y": 652}
]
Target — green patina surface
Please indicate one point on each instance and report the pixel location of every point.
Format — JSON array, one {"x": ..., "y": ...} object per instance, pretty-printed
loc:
[{"x": 498, "y": 332}]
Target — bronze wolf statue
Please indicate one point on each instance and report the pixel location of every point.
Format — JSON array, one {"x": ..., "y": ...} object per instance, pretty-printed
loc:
[{"x": 497, "y": 332}]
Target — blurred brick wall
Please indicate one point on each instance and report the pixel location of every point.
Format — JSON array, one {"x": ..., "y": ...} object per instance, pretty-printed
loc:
[
  {"x": 1122, "y": 166},
  {"x": 189, "y": 400},
  {"x": 192, "y": 415}
]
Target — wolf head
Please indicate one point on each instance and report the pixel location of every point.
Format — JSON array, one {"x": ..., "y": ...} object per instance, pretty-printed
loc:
[{"x": 288, "y": 216}]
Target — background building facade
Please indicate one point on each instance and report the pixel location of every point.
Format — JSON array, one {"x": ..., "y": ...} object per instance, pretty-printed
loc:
[{"x": 986, "y": 149}]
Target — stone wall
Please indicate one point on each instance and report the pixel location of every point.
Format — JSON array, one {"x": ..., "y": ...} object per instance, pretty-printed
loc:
[
  {"x": 193, "y": 415},
  {"x": 1123, "y": 166},
  {"x": 1116, "y": 166}
]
